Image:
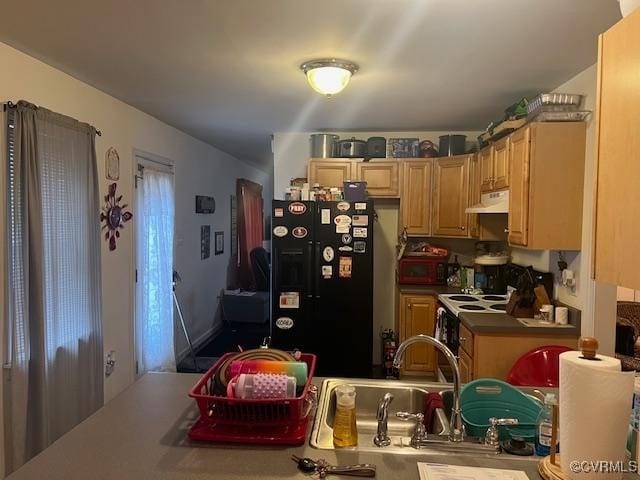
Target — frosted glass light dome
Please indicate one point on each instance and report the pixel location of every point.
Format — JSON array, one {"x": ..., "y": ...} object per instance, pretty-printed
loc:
[{"x": 328, "y": 76}]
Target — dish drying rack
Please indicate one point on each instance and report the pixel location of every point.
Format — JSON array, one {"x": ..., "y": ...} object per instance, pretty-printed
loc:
[{"x": 280, "y": 421}]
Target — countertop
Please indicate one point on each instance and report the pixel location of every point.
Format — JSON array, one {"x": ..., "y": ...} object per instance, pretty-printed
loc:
[
  {"x": 142, "y": 435},
  {"x": 503, "y": 323}
]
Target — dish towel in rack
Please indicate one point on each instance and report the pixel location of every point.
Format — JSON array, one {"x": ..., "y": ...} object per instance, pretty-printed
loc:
[{"x": 440, "y": 332}]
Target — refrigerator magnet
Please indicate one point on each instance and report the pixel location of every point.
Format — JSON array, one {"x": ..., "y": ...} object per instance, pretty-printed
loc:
[
  {"x": 342, "y": 228},
  {"x": 342, "y": 220},
  {"x": 345, "y": 267},
  {"x": 361, "y": 206},
  {"x": 299, "y": 232},
  {"x": 346, "y": 238},
  {"x": 278, "y": 212},
  {"x": 343, "y": 206},
  {"x": 325, "y": 216},
  {"x": 359, "y": 247},
  {"x": 290, "y": 300},
  {"x": 280, "y": 231},
  {"x": 327, "y": 271},
  {"x": 360, "y": 220},
  {"x": 297, "y": 208},
  {"x": 345, "y": 248},
  {"x": 328, "y": 254},
  {"x": 284, "y": 323},
  {"x": 360, "y": 232}
]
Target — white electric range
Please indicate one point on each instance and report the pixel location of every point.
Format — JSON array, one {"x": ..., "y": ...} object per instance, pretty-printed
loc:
[{"x": 462, "y": 302}]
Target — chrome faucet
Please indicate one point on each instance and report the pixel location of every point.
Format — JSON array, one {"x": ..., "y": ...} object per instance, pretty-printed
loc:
[
  {"x": 456, "y": 430},
  {"x": 382, "y": 438}
]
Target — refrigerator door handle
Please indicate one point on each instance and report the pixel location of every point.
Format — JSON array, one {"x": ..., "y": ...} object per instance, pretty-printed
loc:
[
  {"x": 309, "y": 269},
  {"x": 316, "y": 272}
]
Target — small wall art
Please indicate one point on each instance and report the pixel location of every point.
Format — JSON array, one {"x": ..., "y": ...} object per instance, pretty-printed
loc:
[
  {"x": 114, "y": 216},
  {"x": 219, "y": 243},
  {"x": 112, "y": 164},
  {"x": 205, "y": 241}
]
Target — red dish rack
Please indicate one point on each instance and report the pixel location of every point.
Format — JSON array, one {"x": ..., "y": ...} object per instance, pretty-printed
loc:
[{"x": 281, "y": 421}]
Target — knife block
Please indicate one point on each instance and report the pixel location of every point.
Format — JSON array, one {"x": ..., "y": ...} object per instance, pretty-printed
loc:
[{"x": 515, "y": 310}]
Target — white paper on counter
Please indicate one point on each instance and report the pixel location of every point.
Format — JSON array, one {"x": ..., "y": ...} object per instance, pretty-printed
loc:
[{"x": 440, "y": 471}]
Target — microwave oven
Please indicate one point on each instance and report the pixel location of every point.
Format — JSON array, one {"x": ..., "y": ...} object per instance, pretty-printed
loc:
[{"x": 422, "y": 271}]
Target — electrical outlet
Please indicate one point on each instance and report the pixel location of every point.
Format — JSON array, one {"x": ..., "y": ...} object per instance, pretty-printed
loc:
[{"x": 110, "y": 364}]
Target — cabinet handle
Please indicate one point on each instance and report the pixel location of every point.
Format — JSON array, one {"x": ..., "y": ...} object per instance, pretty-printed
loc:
[
  {"x": 463, "y": 339},
  {"x": 506, "y": 230},
  {"x": 409, "y": 306},
  {"x": 463, "y": 228}
]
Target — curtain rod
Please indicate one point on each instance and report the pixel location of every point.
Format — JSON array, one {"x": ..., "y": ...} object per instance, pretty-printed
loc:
[{"x": 10, "y": 104}]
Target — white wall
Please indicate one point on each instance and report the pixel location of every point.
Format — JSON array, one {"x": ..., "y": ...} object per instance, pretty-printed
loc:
[
  {"x": 200, "y": 169},
  {"x": 291, "y": 151}
]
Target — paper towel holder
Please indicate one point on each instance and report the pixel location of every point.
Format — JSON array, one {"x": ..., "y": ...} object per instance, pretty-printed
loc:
[{"x": 589, "y": 347}]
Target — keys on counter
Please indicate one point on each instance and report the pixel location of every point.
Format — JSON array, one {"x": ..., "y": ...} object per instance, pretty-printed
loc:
[{"x": 322, "y": 468}]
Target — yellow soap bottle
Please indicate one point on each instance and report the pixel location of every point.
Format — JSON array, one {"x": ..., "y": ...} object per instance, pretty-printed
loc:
[{"x": 345, "y": 432}]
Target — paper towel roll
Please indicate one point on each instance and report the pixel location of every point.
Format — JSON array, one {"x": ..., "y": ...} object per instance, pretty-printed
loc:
[{"x": 595, "y": 404}]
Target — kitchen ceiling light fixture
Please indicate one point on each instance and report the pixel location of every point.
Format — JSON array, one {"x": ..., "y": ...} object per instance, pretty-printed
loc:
[{"x": 328, "y": 76}]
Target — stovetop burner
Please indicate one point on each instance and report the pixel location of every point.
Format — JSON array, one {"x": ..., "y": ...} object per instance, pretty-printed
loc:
[
  {"x": 462, "y": 298},
  {"x": 499, "y": 306},
  {"x": 493, "y": 298},
  {"x": 471, "y": 307}
]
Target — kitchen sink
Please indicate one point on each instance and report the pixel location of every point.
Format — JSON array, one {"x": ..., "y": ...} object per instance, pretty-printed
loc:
[{"x": 408, "y": 397}]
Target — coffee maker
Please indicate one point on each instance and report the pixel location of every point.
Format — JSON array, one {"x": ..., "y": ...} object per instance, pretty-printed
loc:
[{"x": 496, "y": 278}]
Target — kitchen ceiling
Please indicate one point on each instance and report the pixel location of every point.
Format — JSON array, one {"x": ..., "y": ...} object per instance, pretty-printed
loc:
[{"x": 227, "y": 71}]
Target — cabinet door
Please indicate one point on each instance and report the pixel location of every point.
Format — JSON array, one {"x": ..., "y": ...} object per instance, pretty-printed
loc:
[
  {"x": 418, "y": 315},
  {"x": 383, "y": 178},
  {"x": 617, "y": 228},
  {"x": 485, "y": 164},
  {"x": 330, "y": 173},
  {"x": 501, "y": 164},
  {"x": 519, "y": 149},
  {"x": 451, "y": 194},
  {"x": 415, "y": 197},
  {"x": 465, "y": 364}
]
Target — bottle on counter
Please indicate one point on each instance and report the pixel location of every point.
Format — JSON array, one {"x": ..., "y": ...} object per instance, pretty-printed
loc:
[
  {"x": 543, "y": 428},
  {"x": 345, "y": 433}
]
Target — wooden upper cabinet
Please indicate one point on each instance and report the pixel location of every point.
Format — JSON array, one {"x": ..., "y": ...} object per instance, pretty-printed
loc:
[
  {"x": 415, "y": 196},
  {"x": 617, "y": 216},
  {"x": 501, "y": 164},
  {"x": 546, "y": 185},
  {"x": 485, "y": 166},
  {"x": 418, "y": 315},
  {"x": 331, "y": 172},
  {"x": 451, "y": 196},
  {"x": 383, "y": 178},
  {"x": 475, "y": 173},
  {"x": 494, "y": 166},
  {"x": 519, "y": 193}
]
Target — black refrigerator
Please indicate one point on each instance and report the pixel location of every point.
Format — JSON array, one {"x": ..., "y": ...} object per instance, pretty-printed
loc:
[{"x": 322, "y": 283}]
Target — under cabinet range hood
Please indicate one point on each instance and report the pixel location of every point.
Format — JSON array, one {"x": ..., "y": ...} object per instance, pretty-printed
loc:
[{"x": 495, "y": 202}]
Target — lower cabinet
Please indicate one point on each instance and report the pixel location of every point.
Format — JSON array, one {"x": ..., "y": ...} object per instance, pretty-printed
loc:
[
  {"x": 491, "y": 355},
  {"x": 417, "y": 315}
]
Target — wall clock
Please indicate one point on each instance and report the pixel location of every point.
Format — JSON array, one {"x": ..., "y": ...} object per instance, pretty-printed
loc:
[{"x": 113, "y": 216}]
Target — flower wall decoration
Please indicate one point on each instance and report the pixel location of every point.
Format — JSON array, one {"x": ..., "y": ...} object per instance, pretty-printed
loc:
[{"x": 114, "y": 216}]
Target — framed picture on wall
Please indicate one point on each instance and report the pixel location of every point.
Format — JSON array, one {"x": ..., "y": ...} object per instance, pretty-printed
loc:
[{"x": 219, "y": 243}]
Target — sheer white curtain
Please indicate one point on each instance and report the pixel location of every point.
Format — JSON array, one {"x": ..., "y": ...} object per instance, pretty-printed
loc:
[
  {"x": 154, "y": 308},
  {"x": 55, "y": 313}
]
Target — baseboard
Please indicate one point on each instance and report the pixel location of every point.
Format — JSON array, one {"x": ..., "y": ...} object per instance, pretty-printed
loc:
[{"x": 198, "y": 342}]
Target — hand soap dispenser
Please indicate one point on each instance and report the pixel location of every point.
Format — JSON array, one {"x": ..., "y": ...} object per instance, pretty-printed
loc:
[{"x": 345, "y": 433}]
